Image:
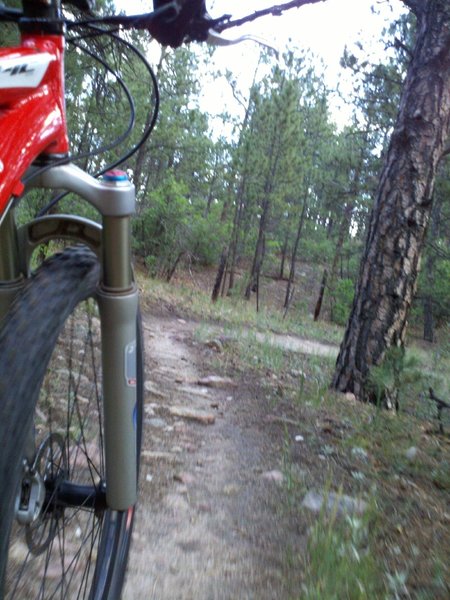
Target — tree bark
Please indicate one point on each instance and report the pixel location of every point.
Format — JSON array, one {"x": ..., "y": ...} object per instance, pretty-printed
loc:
[
  {"x": 301, "y": 221},
  {"x": 239, "y": 209},
  {"x": 399, "y": 219},
  {"x": 171, "y": 269},
  {"x": 283, "y": 256},
  {"x": 318, "y": 306},
  {"x": 231, "y": 248},
  {"x": 259, "y": 250},
  {"x": 263, "y": 222},
  {"x": 219, "y": 275}
]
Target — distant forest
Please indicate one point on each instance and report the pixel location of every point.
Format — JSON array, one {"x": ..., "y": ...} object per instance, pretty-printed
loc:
[{"x": 288, "y": 187}]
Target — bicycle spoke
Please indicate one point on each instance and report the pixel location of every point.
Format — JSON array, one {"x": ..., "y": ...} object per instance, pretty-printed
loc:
[
  {"x": 65, "y": 543},
  {"x": 73, "y": 533}
]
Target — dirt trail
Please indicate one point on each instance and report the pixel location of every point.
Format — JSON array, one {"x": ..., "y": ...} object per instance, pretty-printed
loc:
[
  {"x": 209, "y": 525},
  {"x": 286, "y": 341},
  {"x": 296, "y": 344}
]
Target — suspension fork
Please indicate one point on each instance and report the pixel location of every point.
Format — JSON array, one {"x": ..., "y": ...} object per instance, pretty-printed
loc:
[
  {"x": 118, "y": 302},
  {"x": 11, "y": 279}
]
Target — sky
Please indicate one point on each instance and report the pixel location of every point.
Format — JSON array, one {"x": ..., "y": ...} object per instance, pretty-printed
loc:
[{"x": 324, "y": 28}]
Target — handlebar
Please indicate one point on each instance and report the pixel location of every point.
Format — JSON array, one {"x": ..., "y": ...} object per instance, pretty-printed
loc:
[{"x": 171, "y": 23}]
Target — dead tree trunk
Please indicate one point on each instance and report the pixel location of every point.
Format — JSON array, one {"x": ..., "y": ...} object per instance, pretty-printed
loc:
[{"x": 402, "y": 207}]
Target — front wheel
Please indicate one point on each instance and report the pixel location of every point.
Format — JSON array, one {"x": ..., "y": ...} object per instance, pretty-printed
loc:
[{"x": 58, "y": 539}]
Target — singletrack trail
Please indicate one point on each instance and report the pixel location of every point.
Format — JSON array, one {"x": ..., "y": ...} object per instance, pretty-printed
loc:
[
  {"x": 245, "y": 453},
  {"x": 211, "y": 523}
]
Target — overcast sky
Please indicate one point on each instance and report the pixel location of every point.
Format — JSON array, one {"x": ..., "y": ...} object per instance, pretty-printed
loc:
[{"x": 324, "y": 28}]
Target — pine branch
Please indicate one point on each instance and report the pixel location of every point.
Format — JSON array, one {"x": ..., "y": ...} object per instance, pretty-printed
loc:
[
  {"x": 276, "y": 11},
  {"x": 399, "y": 44}
]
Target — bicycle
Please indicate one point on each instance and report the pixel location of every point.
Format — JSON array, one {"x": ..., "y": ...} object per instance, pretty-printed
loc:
[{"x": 71, "y": 372}]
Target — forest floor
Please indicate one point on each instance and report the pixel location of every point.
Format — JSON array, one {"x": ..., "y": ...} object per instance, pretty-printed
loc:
[{"x": 257, "y": 482}]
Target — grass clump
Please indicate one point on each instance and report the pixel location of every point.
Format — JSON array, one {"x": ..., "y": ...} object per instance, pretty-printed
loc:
[{"x": 340, "y": 562}]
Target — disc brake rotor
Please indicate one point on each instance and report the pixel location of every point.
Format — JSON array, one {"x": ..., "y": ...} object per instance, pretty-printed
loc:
[{"x": 50, "y": 467}]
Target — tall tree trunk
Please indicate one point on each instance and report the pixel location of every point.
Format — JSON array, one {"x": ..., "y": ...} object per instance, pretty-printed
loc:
[
  {"x": 428, "y": 320},
  {"x": 228, "y": 255},
  {"x": 283, "y": 256},
  {"x": 330, "y": 226},
  {"x": 331, "y": 276},
  {"x": 259, "y": 250},
  {"x": 301, "y": 221},
  {"x": 323, "y": 284},
  {"x": 219, "y": 275},
  {"x": 239, "y": 210},
  {"x": 231, "y": 248},
  {"x": 141, "y": 157},
  {"x": 399, "y": 219},
  {"x": 268, "y": 188},
  {"x": 211, "y": 194},
  {"x": 172, "y": 268},
  {"x": 344, "y": 228}
]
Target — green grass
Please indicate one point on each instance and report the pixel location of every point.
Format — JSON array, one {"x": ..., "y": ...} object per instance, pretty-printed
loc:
[
  {"x": 340, "y": 562},
  {"x": 378, "y": 556},
  {"x": 236, "y": 312},
  {"x": 392, "y": 551}
]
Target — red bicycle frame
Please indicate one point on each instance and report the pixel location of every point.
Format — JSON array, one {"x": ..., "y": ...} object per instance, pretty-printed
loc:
[
  {"x": 33, "y": 126},
  {"x": 32, "y": 108}
]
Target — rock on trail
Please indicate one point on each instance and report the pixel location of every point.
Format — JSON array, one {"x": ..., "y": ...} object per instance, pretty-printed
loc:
[{"x": 208, "y": 525}]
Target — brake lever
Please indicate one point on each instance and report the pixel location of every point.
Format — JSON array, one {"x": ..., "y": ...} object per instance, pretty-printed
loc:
[
  {"x": 188, "y": 20},
  {"x": 217, "y": 39}
]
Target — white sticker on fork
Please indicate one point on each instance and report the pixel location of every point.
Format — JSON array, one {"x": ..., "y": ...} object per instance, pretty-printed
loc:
[{"x": 130, "y": 364}]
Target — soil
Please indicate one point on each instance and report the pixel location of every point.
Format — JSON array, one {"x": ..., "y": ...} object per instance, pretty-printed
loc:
[
  {"x": 211, "y": 523},
  {"x": 227, "y": 462}
]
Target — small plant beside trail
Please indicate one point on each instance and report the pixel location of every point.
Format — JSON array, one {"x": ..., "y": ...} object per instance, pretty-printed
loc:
[
  {"x": 330, "y": 445},
  {"x": 340, "y": 562},
  {"x": 397, "y": 463}
]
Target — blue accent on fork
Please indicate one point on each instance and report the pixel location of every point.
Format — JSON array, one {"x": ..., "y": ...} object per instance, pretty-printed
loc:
[{"x": 115, "y": 175}]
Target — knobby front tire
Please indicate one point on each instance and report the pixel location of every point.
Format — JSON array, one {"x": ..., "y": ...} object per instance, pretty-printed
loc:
[{"x": 51, "y": 428}]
